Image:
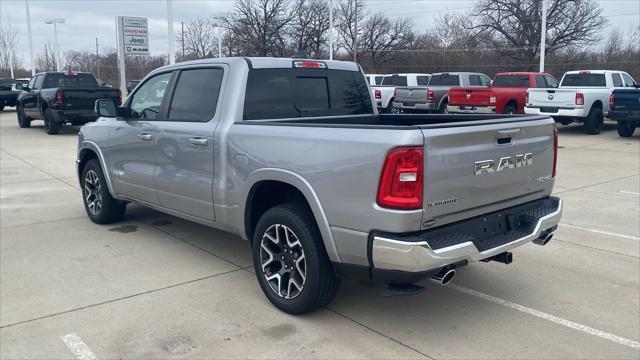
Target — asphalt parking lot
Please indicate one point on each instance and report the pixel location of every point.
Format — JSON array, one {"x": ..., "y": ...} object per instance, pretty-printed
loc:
[{"x": 155, "y": 286}]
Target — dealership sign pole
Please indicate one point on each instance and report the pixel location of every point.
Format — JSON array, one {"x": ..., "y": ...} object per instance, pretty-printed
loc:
[{"x": 132, "y": 39}]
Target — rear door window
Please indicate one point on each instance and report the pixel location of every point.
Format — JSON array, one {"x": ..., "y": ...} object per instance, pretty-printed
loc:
[
  {"x": 39, "y": 80},
  {"x": 395, "y": 80},
  {"x": 196, "y": 95},
  {"x": 584, "y": 79},
  {"x": 422, "y": 80},
  {"x": 617, "y": 80},
  {"x": 475, "y": 80},
  {"x": 445, "y": 79},
  {"x": 551, "y": 81},
  {"x": 511, "y": 81},
  {"x": 297, "y": 93},
  {"x": 628, "y": 80}
]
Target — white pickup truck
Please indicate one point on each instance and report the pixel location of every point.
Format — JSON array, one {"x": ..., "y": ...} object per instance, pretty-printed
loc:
[
  {"x": 385, "y": 93},
  {"x": 582, "y": 96}
]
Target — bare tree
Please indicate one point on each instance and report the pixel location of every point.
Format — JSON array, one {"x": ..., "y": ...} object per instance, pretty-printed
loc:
[
  {"x": 382, "y": 35},
  {"x": 8, "y": 43},
  {"x": 46, "y": 60},
  {"x": 200, "y": 38},
  {"x": 257, "y": 27},
  {"x": 350, "y": 16},
  {"x": 515, "y": 25},
  {"x": 309, "y": 26}
]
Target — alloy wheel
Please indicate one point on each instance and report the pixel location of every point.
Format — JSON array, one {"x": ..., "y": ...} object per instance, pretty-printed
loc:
[
  {"x": 92, "y": 192},
  {"x": 282, "y": 261}
]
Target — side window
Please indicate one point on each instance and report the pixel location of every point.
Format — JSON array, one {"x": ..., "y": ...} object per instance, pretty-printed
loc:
[
  {"x": 540, "y": 81},
  {"x": 196, "y": 95},
  {"x": 628, "y": 81},
  {"x": 423, "y": 80},
  {"x": 486, "y": 81},
  {"x": 617, "y": 80},
  {"x": 32, "y": 83},
  {"x": 146, "y": 102},
  {"x": 39, "y": 80},
  {"x": 551, "y": 81},
  {"x": 474, "y": 80}
]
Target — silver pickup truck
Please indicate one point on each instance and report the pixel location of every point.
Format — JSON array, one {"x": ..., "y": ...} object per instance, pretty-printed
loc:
[{"x": 291, "y": 155}]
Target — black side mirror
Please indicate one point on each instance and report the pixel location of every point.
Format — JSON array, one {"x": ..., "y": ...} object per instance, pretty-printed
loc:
[
  {"x": 105, "y": 108},
  {"x": 23, "y": 87}
]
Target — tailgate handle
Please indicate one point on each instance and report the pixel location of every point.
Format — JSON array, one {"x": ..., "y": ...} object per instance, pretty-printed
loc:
[
  {"x": 551, "y": 91},
  {"x": 504, "y": 140}
]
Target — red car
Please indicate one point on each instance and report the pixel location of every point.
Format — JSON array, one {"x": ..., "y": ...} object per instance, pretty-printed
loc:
[{"x": 506, "y": 95}]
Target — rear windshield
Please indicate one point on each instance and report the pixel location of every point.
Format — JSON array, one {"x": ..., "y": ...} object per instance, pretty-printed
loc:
[
  {"x": 511, "y": 80},
  {"x": 71, "y": 81},
  {"x": 395, "y": 80},
  {"x": 584, "y": 80},
  {"x": 445, "y": 79},
  {"x": 295, "y": 93}
]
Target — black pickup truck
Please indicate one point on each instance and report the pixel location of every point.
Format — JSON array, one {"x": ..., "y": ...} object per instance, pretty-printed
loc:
[
  {"x": 9, "y": 90},
  {"x": 625, "y": 109},
  {"x": 61, "y": 98}
]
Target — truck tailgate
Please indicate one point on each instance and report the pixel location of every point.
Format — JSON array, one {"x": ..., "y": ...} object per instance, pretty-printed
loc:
[
  {"x": 85, "y": 98},
  {"x": 475, "y": 169},
  {"x": 627, "y": 99},
  {"x": 469, "y": 96},
  {"x": 411, "y": 94},
  {"x": 552, "y": 98}
]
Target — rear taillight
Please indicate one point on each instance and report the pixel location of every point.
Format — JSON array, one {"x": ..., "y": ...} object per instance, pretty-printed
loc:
[
  {"x": 58, "y": 99},
  {"x": 401, "y": 180},
  {"x": 492, "y": 100},
  {"x": 119, "y": 100},
  {"x": 555, "y": 152},
  {"x": 526, "y": 98},
  {"x": 579, "y": 99},
  {"x": 377, "y": 94},
  {"x": 612, "y": 100},
  {"x": 430, "y": 96}
]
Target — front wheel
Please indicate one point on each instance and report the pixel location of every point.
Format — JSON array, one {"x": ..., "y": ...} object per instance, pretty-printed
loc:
[
  {"x": 290, "y": 261},
  {"x": 23, "y": 120},
  {"x": 626, "y": 128},
  {"x": 100, "y": 206}
]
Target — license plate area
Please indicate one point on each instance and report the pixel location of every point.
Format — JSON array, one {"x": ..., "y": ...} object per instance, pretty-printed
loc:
[{"x": 549, "y": 109}]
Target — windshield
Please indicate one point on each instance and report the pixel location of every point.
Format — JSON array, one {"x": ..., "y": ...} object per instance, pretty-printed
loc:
[
  {"x": 54, "y": 80},
  {"x": 584, "y": 80}
]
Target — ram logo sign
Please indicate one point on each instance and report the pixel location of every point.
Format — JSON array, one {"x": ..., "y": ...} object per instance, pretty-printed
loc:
[{"x": 509, "y": 162}]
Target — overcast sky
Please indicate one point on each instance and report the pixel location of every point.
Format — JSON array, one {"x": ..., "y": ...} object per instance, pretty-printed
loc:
[{"x": 87, "y": 20}]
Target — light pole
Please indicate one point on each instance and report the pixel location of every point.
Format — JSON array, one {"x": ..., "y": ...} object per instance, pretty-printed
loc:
[
  {"x": 33, "y": 67},
  {"x": 55, "y": 23},
  {"x": 330, "y": 29},
  {"x": 543, "y": 35},
  {"x": 172, "y": 54}
]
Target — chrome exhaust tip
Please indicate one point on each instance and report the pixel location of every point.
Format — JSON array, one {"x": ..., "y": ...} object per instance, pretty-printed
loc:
[
  {"x": 444, "y": 276},
  {"x": 544, "y": 238}
]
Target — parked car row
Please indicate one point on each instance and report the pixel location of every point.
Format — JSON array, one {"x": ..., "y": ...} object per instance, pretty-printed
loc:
[{"x": 581, "y": 96}]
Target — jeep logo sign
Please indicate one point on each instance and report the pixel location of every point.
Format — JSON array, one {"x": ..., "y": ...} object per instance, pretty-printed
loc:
[{"x": 510, "y": 162}]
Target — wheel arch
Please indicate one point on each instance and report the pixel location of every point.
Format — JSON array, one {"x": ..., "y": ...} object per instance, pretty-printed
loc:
[
  {"x": 288, "y": 186},
  {"x": 87, "y": 151}
]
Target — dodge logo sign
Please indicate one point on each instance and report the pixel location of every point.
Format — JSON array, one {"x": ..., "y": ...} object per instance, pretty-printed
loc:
[
  {"x": 550, "y": 96},
  {"x": 468, "y": 96}
]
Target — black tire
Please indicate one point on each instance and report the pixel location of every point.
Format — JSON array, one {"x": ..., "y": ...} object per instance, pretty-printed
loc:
[
  {"x": 2, "y": 103},
  {"x": 23, "y": 120},
  {"x": 51, "y": 123},
  {"x": 510, "y": 110},
  {"x": 320, "y": 282},
  {"x": 593, "y": 122},
  {"x": 626, "y": 128},
  {"x": 110, "y": 210},
  {"x": 443, "y": 108}
]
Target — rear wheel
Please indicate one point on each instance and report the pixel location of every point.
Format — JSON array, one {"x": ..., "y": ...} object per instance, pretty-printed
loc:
[
  {"x": 593, "y": 122},
  {"x": 443, "y": 108},
  {"x": 290, "y": 261},
  {"x": 100, "y": 206},
  {"x": 2, "y": 103},
  {"x": 510, "y": 110},
  {"x": 23, "y": 120},
  {"x": 626, "y": 128},
  {"x": 51, "y": 123}
]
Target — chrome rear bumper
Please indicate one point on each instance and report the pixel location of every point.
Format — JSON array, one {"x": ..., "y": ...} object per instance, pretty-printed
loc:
[{"x": 418, "y": 256}]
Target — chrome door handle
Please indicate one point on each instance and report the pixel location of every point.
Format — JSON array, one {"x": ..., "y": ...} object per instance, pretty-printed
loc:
[
  {"x": 145, "y": 137},
  {"x": 199, "y": 141}
]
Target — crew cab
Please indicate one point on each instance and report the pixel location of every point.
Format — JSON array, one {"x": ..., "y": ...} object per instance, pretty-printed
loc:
[
  {"x": 435, "y": 97},
  {"x": 385, "y": 93},
  {"x": 61, "y": 98},
  {"x": 624, "y": 107},
  {"x": 291, "y": 155},
  {"x": 506, "y": 95},
  {"x": 583, "y": 96}
]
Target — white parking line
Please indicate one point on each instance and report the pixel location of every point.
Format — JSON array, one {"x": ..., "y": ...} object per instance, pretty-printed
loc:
[
  {"x": 549, "y": 317},
  {"x": 78, "y": 347},
  {"x": 629, "y": 192},
  {"x": 630, "y": 237}
]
